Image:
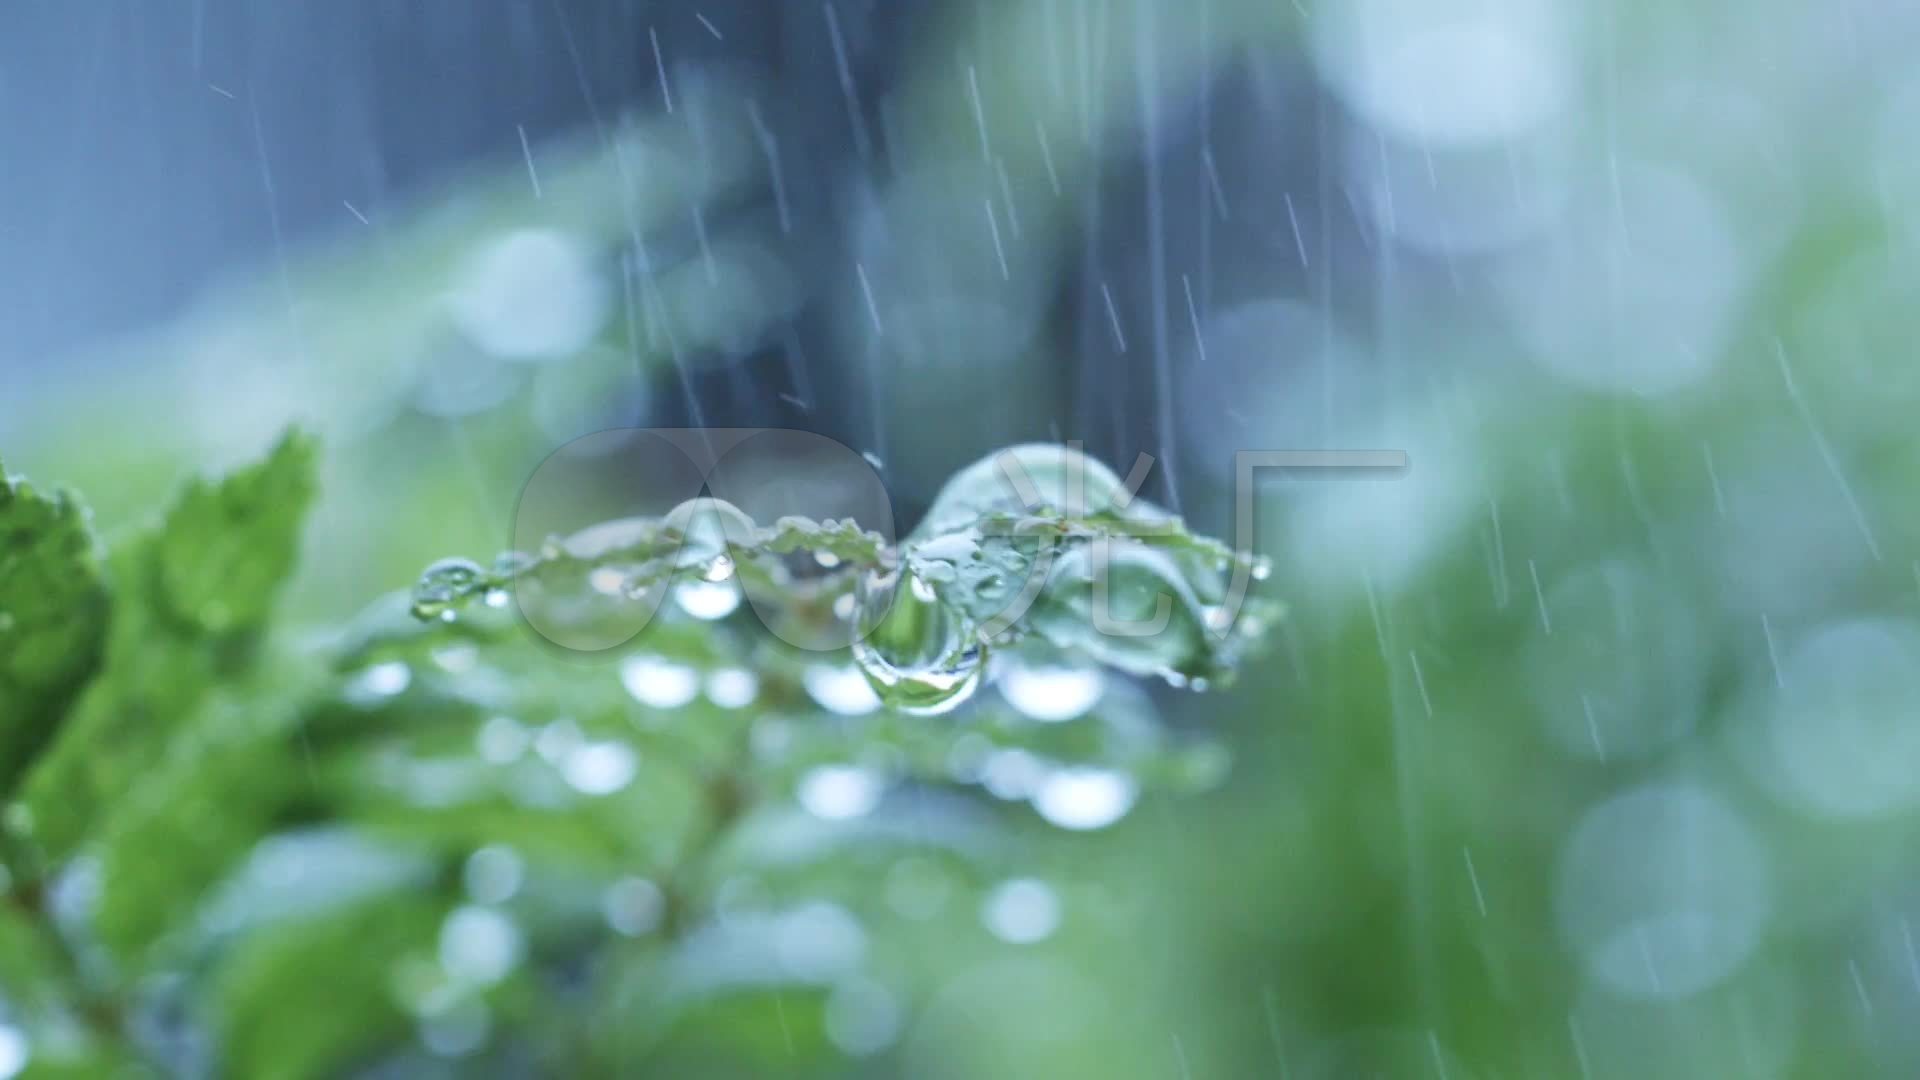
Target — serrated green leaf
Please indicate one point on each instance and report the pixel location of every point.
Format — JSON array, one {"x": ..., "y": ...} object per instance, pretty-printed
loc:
[
  {"x": 53, "y": 616},
  {"x": 227, "y": 547},
  {"x": 216, "y": 793},
  {"x": 192, "y": 598}
]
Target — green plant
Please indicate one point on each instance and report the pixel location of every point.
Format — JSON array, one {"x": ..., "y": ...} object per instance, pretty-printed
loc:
[{"x": 432, "y": 834}]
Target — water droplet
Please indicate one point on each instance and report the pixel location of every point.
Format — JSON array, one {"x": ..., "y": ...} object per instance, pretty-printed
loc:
[
  {"x": 1022, "y": 911},
  {"x": 496, "y": 598},
  {"x": 659, "y": 683},
  {"x": 600, "y": 768},
  {"x": 732, "y": 688},
  {"x": 708, "y": 527},
  {"x": 1148, "y": 622},
  {"x": 1051, "y": 692},
  {"x": 841, "y": 690},
  {"x": 827, "y": 559},
  {"x": 1083, "y": 799},
  {"x": 840, "y": 792},
  {"x": 509, "y": 564},
  {"x": 719, "y": 569},
  {"x": 443, "y": 585},
  {"x": 913, "y": 648},
  {"x": 479, "y": 945},
  {"x": 941, "y": 559},
  {"x": 1027, "y": 478}
]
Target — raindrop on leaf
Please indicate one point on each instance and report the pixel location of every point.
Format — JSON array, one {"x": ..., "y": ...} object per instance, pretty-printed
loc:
[
  {"x": 443, "y": 585},
  {"x": 916, "y": 651}
]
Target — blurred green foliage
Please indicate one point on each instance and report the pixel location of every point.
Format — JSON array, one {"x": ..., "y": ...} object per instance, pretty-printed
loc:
[
  {"x": 433, "y": 830},
  {"x": 1594, "y": 587}
]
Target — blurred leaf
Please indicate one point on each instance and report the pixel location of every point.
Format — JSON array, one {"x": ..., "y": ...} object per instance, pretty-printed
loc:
[
  {"x": 312, "y": 998},
  {"x": 193, "y": 597},
  {"x": 53, "y": 616},
  {"x": 225, "y": 549},
  {"x": 220, "y": 788}
]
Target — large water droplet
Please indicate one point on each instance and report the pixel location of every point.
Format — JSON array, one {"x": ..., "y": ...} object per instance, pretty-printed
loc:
[
  {"x": 916, "y": 651},
  {"x": 1022, "y": 479},
  {"x": 1146, "y": 620},
  {"x": 444, "y": 585},
  {"x": 707, "y": 527}
]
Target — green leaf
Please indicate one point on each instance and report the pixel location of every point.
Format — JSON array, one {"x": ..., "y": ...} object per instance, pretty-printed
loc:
[
  {"x": 313, "y": 998},
  {"x": 225, "y": 784},
  {"x": 226, "y": 548},
  {"x": 71, "y": 1035},
  {"x": 192, "y": 599},
  {"x": 53, "y": 617},
  {"x": 31, "y": 967}
]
